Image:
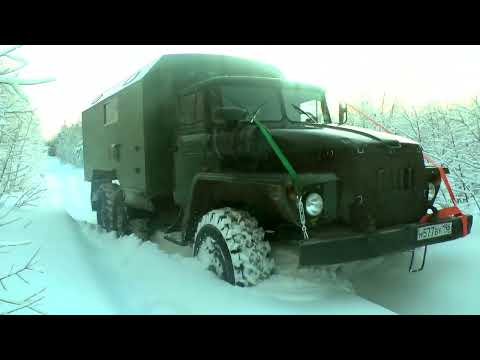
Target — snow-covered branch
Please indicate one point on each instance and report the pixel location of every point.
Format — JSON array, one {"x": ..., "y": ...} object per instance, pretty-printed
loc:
[
  {"x": 9, "y": 50},
  {"x": 18, "y": 273},
  {"x": 12, "y": 244},
  {"x": 21, "y": 63},
  {"x": 28, "y": 303},
  {"x": 11, "y": 80},
  {"x": 69, "y": 144},
  {"x": 21, "y": 151}
]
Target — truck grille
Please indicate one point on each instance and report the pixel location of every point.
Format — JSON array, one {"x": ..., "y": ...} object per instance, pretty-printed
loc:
[
  {"x": 395, "y": 179},
  {"x": 393, "y": 195}
]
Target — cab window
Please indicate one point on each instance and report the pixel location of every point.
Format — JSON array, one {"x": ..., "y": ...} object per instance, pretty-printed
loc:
[
  {"x": 311, "y": 102},
  {"x": 111, "y": 112}
]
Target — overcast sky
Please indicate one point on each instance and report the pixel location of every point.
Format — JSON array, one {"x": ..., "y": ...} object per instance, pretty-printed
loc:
[{"x": 413, "y": 75}]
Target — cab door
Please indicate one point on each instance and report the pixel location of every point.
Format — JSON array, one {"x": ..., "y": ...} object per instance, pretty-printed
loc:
[{"x": 192, "y": 144}]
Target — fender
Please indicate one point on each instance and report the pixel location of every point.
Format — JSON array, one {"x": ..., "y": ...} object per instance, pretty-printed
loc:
[
  {"x": 214, "y": 190},
  {"x": 271, "y": 196}
]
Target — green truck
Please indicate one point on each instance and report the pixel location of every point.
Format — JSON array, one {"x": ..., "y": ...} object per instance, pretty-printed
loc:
[{"x": 237, "y": 159}]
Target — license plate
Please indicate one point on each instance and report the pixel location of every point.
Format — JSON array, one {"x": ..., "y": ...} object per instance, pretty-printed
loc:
[{"x": 433, "y": 231}]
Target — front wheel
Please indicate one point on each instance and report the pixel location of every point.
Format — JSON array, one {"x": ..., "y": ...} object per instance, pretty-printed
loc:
[{"x": 230, "y": 243}]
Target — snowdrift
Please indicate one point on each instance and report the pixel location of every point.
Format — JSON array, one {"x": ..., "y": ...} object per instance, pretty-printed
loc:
[{"x": 88, "y": 271}]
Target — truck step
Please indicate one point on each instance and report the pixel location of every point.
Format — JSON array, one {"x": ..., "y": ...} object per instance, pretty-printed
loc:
[{"x": 175, "y": 237}]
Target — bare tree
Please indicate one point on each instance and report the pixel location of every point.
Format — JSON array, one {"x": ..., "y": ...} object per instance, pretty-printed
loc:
[
  {"x": 20, "y": 149},
  {"x": 20, "y": 141},
  {"x": 14, "y": 304},
  {"x": 69, "y": 144}
]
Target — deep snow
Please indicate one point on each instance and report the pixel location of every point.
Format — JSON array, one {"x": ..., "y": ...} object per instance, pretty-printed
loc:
[
  {"x": 90, "y": 272},
  {"x": 449, "y": 284}
]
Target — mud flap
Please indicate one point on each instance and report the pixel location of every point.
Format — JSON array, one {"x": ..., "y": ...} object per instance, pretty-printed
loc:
[{"x": 417, "y": 259}]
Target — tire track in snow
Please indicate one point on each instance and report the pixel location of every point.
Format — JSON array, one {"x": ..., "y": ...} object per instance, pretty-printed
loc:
[{"x": 80, "y": 272}]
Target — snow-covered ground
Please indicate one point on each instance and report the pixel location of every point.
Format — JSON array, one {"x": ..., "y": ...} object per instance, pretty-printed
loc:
[
  {"x": 87, "y": 271},
  {"x": 449, "y": 284}
]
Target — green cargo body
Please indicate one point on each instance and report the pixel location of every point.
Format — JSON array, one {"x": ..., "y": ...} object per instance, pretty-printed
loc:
[{"x": 129, "y": 131}]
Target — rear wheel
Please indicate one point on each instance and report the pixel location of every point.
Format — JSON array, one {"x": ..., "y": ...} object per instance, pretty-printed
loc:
[
  {"x": 105, "y": 195},
  {"x": 230, "y": 243},
  {"x": 120, "y": 214},
  {"x": 112, "y": 212}
]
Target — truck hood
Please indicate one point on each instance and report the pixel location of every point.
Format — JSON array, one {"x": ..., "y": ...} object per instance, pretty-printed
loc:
[
  {"x": 381, "y": 169},
  {"x": 294, "y": 140}
]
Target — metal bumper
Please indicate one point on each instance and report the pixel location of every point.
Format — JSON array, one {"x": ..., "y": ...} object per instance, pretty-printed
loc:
[{"x": 334, "y": 247}]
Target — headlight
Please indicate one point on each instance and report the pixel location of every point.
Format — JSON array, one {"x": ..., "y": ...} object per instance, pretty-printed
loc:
[
  {"x": 314, "y": 204},
  {"x": 431, "y": 191}
]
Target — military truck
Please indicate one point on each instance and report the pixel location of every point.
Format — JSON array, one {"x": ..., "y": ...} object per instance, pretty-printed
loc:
[{"x": 235, "y": 158}]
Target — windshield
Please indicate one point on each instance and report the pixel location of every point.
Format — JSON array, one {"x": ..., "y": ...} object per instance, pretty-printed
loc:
[
  {"x": 305, "y": 106},
  {"x": 250, "y": 98},
  {"x": 301, "y": 105}
]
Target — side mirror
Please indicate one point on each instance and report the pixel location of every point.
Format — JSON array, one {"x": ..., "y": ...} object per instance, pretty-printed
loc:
[
  {"x": 230, "y": 116},
  {"x": 342, "y": 114}
]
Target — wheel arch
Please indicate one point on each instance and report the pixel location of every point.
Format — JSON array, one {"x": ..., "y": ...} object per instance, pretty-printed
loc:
[{"x": 263, "y": 196}]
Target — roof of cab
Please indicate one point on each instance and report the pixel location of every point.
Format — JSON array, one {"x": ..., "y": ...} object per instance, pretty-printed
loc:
[{"x": 249, "y": 80}]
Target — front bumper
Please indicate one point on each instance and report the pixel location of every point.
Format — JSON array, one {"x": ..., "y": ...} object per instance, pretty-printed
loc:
[{"x": 342, "y": 245}]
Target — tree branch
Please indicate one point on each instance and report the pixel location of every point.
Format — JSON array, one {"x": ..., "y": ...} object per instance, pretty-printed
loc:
[
  {"x": 9, "y": 50},
  {"x": 10, "y": 80},
  {"x": 27, "y": 266}
]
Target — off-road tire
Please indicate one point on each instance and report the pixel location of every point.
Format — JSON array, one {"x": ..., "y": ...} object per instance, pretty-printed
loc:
[
  {"x": 112, "y": 212},
  {"x": 238, "y": 252},
  {"x": 105, "y": 194}
]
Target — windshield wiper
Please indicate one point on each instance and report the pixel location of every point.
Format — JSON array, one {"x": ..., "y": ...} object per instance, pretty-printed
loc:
[
  {"x": 310, "y": 116},
  {"x": 255, "y": 113}
]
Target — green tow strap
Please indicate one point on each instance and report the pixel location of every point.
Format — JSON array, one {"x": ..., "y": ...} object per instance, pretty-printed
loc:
[
  {"x": 291, "y": 172},
  {"x": 268, "y": 136}
]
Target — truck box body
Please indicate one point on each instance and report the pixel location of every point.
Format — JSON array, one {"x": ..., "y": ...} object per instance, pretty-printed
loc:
[{"x": 129, "y": 130}]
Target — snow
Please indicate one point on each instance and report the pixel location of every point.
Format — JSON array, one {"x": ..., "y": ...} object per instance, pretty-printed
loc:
[
  {"x": 90, "y": 272},
  {"x": 87, "y": 271},
  {"x": 449, "y": 283}
]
